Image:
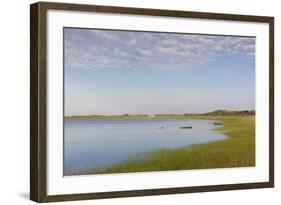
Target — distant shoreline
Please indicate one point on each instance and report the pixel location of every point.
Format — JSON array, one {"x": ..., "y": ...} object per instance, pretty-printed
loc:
[{"x": 163, "y": 116}]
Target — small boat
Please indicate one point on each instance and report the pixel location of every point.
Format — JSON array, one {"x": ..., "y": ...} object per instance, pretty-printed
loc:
[
  {"x": 186, "y": 127},
  {"x": 160, "y": 127},
  {"x": 217, "y": 123}
]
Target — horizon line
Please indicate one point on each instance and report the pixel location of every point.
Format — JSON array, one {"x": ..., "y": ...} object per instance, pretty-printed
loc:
[{"x": 146, "y": 114}]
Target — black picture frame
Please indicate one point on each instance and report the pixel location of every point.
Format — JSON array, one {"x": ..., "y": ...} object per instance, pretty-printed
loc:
[{"x": 38, "y": 102}]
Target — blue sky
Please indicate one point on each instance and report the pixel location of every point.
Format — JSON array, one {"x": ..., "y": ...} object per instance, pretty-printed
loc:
[{"x": 117, "y": 72}]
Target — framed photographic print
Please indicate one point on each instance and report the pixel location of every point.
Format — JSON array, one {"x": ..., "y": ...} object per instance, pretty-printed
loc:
[{"x": 134, "y": 102}]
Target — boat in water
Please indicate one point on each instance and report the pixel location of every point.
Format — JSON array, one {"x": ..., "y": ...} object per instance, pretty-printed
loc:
[{"x": 186, "y": 127}]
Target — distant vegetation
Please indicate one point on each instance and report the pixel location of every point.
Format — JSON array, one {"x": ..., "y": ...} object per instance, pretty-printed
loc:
[
  {"x": 213, "y": 113},
  {"x": 231, "y": 113},
  {"x": 108, "y": 116},
  {"x": 187, "y": 115}
]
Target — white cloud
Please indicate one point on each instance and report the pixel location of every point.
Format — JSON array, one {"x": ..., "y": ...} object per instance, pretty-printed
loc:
[{"x": 96, "y": 49}]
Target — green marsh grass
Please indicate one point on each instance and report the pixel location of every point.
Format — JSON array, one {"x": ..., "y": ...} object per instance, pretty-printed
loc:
[{"x": 238, "y": 150}]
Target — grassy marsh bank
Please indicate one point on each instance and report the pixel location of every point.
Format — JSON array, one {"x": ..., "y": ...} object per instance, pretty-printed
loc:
[{"x": 236, "y": 151}]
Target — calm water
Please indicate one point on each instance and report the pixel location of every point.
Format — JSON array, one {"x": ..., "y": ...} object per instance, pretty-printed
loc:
[{"x": 95, "y": 143}]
